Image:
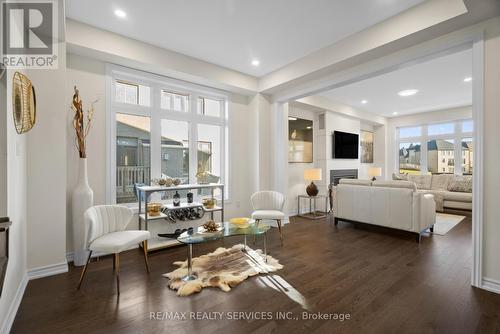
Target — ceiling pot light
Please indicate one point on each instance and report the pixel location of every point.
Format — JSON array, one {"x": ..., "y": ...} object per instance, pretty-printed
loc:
[
  {"x": 395, "y": 113},
  {"x": 309, "y": 127},
  {"x": 292, "y": 118},
  {"x": 468, "y": 79},
  {"x": 408, "y": 92},
  {"x": 364, "y": 102},
  {"x": 120, "y": 13},
  {"x": 255, "y": 62}
]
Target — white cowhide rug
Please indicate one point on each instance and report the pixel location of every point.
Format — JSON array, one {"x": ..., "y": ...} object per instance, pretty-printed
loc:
[{"x": 224, "y": 268}]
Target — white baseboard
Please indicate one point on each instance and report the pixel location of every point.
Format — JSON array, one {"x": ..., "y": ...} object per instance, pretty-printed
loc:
[
  {"x": 53, "y": 269},
  {"x": 490, "y": 285},
  {"x": 11, "y": 313}
]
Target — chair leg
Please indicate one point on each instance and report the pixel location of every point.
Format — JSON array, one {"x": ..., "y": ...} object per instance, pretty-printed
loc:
[
  {"x": 257, "y": 221},
  {"x": 117, "y": 272},
  {"x": 281, "y": 233},
  {"x": 145, "y": 252},
  {"x": 84, "y": 271}
]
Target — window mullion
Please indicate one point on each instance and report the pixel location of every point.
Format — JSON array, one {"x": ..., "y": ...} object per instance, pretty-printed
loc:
[
  {"x": 155, "y": 133},
  {"x": 458, "y": 148},
  {"x": 424, "y": 169},
  {"x": 193, "y": 139}
]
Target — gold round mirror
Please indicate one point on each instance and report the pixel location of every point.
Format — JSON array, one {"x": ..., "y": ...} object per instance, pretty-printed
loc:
[{"x": 23, "y": 103}]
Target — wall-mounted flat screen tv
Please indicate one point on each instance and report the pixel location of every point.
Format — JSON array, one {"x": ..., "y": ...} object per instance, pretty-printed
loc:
[{"x": 345, "y": 145}]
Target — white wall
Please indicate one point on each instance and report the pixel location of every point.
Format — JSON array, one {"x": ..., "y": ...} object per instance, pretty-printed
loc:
[
  {"x": 296, "y": 183},
  {"x": 491, "y": 190},
  {"x": 16, "y": 277},
  {"x": 89, "y": 75},
  {"x": 46, "y": 150},
  {"x": 417, "y": 119},
  {"x": 3, "y": 145}
]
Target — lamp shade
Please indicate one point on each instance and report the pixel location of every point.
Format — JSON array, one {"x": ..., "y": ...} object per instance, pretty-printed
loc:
[
  {"x": 313, "y": 174},
  {"x": 374, "y": 171}
]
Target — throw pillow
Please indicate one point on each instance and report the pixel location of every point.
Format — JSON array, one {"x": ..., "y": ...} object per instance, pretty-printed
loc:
[{"x": 461, "y": 184}]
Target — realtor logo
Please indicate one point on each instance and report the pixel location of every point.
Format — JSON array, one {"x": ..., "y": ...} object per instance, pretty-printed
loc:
[{"x": 28, "y": 34}]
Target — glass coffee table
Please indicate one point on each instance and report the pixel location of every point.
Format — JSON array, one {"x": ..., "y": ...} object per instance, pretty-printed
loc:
[{"x": 227, "y": 230}]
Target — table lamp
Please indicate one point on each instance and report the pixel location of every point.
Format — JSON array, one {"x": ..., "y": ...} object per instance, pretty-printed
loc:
[
  {"x": 373, "y": 172},
  {"x": 313, "y": 174}
]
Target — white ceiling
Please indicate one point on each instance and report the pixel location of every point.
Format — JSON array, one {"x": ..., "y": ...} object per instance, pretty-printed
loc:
[
  {"x": 232, "y": 33},
  {"x": 439, "y": 81}
]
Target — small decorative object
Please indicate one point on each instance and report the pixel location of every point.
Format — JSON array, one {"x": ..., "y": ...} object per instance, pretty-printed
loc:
[
  {"x": 168, "y": 182},
  {"x": 373, "y": 172},
  {"x": 176, "y": 181},
  {"x": 162, "y": 182},
  {"x": 366, "y": 143},
  {"x": 313, "y": 174},
  {"x": 209, "y": 203},
  {"x": 83, "y": 196},
  {"x": 154, "y": 209},
  {"x": 23, "y": 103},
  {"x": 190, "y": 197},
  {"x": 202, "y": 177},
  {"x": 300, "y": 140},
  {"x": 211, "y": 226},
  {"x": 177, "y": 199}
]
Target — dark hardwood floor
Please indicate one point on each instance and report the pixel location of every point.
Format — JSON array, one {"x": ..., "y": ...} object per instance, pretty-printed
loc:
[{"x": 386, "y": 282}]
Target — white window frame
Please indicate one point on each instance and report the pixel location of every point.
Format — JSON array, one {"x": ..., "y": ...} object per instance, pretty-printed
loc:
[
  {"x": 158, "y": 83},
  {"x": 457, "y": 136}
]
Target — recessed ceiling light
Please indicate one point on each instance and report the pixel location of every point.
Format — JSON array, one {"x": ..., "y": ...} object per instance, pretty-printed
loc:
[
  {"x": 309, "y": 127},
  {"x": 468, "y": 79},
  {"x": 255, "y": 62},
  {"x": 292, "y": 118},
  {"x": 120, "y": 13},
  {"x": 408, "y": 92},
  {"x": 395, "y": 113},
  {"x": 364, "y": 102}
]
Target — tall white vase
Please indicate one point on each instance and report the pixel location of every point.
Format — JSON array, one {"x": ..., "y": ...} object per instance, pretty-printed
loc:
[{"x": 82, "y": 199}]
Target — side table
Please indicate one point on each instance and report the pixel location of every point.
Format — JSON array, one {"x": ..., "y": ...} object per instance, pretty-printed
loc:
[{"x": 313, "y": 213}]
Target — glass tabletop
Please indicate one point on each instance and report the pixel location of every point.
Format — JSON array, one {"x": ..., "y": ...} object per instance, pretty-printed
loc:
[{"x": 227, "y": 230}]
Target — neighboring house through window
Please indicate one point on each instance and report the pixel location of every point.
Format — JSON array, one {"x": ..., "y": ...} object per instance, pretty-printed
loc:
[
  {"x": 443, "y": 142},
  {"x": 163, "y": 128}
]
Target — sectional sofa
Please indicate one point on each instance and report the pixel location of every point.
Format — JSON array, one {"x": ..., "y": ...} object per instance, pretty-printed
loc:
[
  {"x": 393, "y": 204},
  {"x": 450, "y": 191}
]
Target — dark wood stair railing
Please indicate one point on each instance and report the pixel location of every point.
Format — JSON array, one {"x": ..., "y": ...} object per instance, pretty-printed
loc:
[{"x": 4, "y": 248}]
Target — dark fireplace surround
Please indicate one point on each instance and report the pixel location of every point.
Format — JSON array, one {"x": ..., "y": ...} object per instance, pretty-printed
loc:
[{"x": 337, "y": 174}]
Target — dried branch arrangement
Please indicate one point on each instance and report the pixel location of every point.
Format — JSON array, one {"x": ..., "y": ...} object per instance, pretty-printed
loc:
[{"x": 81, "y": 122}]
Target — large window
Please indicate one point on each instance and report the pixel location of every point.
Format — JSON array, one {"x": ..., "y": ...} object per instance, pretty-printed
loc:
[
  {"x": 409, "y": 158},
  {"x": 133, "y": 137},
  {"x": 164, "y": 128},
  {"x": 444, "y": 142}
]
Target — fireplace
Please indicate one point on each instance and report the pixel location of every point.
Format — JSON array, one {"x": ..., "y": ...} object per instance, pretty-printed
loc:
[{"x": 337, "y": 174}]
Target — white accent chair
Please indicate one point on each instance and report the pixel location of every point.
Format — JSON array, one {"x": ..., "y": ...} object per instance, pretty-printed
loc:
[
  {"x": 268, "y": 205},
  {"x": 105, "y": 233}
]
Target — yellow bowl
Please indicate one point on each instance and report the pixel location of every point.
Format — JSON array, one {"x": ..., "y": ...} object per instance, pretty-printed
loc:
[{"x": 240, "y": 222}]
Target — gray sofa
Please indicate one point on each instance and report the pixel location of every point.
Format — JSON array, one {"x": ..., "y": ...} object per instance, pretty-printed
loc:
[{"x": 450, "y": 191}]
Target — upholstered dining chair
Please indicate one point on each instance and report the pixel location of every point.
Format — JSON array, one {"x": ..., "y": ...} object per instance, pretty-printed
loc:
[
  {"x": 105, "y": 233},
  {"x": 268, "y": 205}
]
